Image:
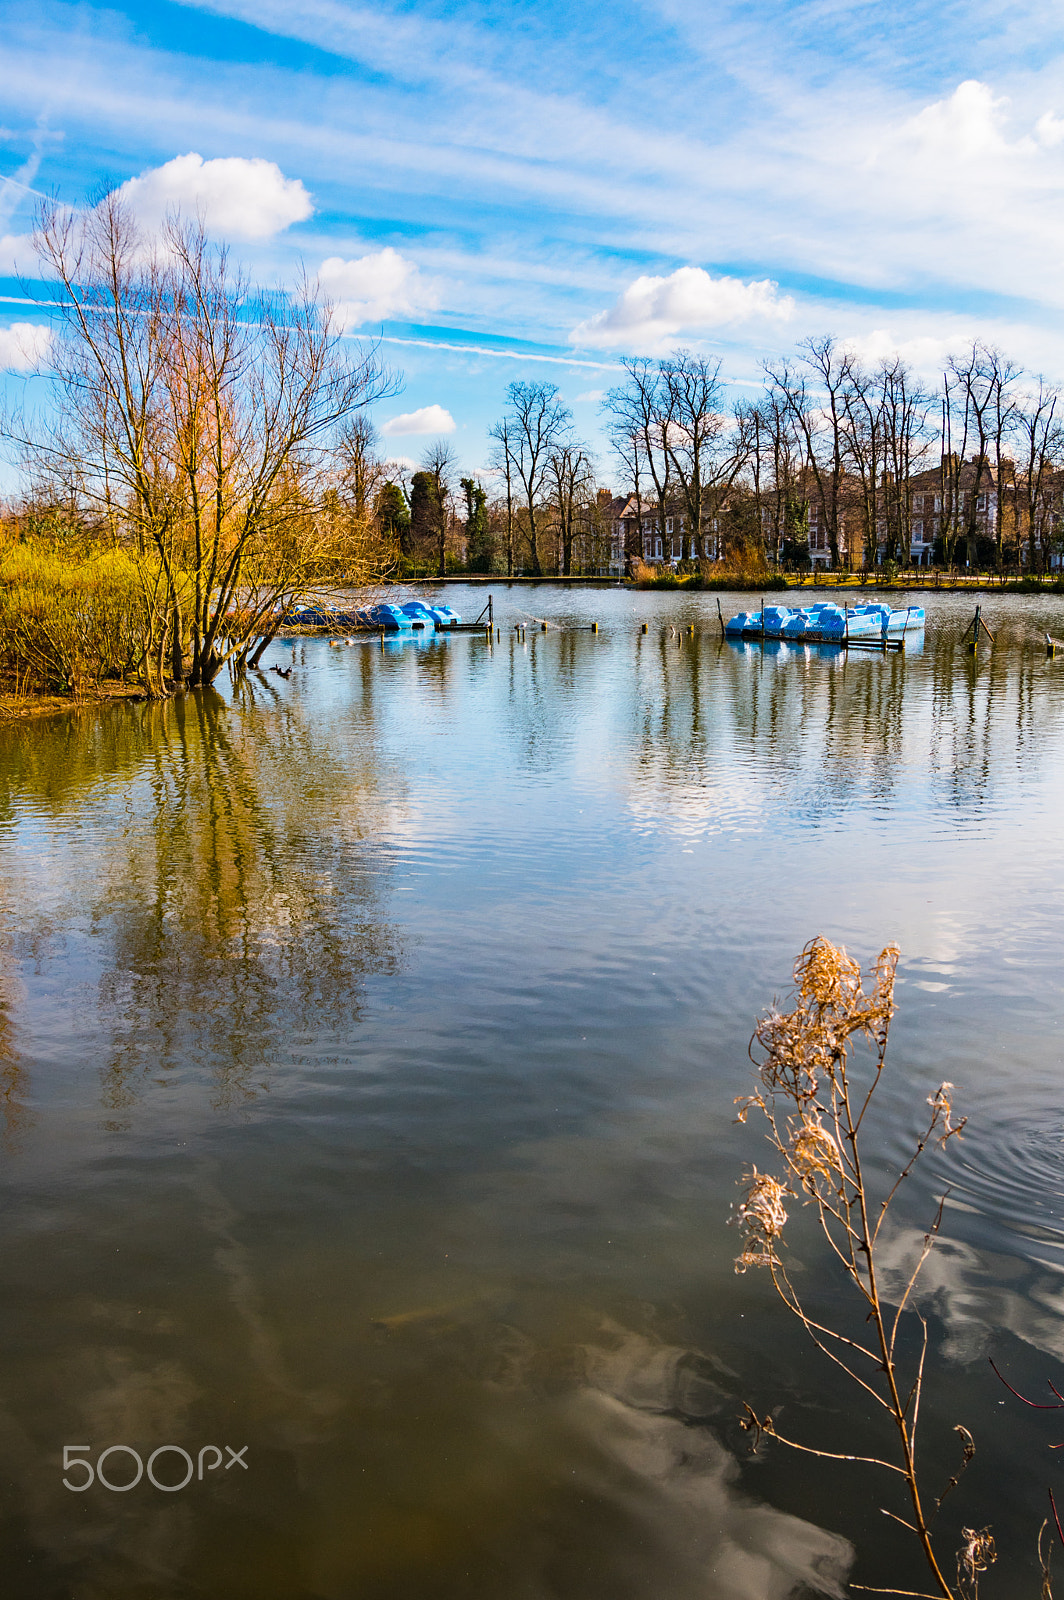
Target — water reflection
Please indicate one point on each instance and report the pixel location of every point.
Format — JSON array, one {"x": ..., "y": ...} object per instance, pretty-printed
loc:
[
  {"x": 378, "y": 1032},
  {"x": 232, "y": 888},
  {"x": 736, "y": 728}
]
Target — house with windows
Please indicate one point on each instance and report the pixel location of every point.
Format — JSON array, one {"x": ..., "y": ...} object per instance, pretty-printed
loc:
[
  {"x": 819, "y": 537},
  {"x": 637, "y": 529},
  {"x": 940, "y": 506}
]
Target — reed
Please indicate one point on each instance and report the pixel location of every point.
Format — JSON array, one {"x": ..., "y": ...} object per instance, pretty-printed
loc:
[
  {"x": 743, "y": 568},
  {"x": 815, "y": 1092}
]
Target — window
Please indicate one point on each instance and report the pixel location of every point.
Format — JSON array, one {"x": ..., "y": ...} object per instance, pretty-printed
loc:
[
  {"x": 657, "y": 548},
  {"x": 668, "y": 524},
  {"x": 918, "y": 502},
  {"x": 918, "y": 530}
]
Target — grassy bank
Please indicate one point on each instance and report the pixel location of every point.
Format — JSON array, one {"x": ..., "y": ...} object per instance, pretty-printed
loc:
[
  {"x": 69, "y": 625},
  {"x": 748, "y": 574}
]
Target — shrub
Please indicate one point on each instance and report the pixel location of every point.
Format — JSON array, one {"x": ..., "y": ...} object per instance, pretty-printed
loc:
[{"x": 67, "y": 625}]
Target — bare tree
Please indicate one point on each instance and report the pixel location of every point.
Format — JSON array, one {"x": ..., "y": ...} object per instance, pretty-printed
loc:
[
  {"x": 818, "y": 414},
  {"x": 536, "y": 424},
  {"x": 572, "y": 485},
  {"x": 502, "y": 433},
  {"x": 628, "y": 448},
  {"x": 971, "y": 395},
  {"x": 885, "y": 437},
  {"x": 638, "y": 410},
  {"x": 905, "y": 408},
  {"x": 438, "y": 461},
  {"x": 1040, "y": 439},
  {"x": 1004, "y": 375},
  {"x": 705, "y": 452},
  {"x": 359, "y": 468},
  {"x": 195, "y": 417},
  {"x": 773, "y": 453}
]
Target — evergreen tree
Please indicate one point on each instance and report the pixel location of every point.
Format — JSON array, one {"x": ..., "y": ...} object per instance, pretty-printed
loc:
[
  {"x": 393, "y": 514},
  {"x": 426, "y": 514},
  {"x": 480, "y": 547}
]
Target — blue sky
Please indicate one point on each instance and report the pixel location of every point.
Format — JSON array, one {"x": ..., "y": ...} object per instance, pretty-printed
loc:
[{"x": 519, "y": 190}]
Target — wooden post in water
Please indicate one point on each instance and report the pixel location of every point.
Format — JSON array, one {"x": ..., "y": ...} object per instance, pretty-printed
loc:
[
  {"x": 720, "y": 617},
  {"x": 974, "y": 626},
  {"x": 974, "y": 645}
]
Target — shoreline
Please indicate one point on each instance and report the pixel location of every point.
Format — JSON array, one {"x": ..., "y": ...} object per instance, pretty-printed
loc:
[
  {"x": 980, "y": 585},
  {"x": 25, "y": 707}
]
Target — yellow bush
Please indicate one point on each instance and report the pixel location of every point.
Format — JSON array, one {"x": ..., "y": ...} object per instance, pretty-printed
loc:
[{"x": 67, "y": 624}]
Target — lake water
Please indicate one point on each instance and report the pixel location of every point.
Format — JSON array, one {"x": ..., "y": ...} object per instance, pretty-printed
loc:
[{"x": 370, "y": 1040}]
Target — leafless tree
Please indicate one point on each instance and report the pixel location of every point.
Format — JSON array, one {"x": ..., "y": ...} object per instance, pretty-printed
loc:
[
  {"x": 571, "y": 478},
  {"x": 705, "y": 452},
  {"x": 773, "y": 452},
  {"x": 502, "y": 435},
  {"x": 885, "y": 433},
  {"x": 1004, "y": 376},
  {"x": 971, "y": 404},
  {"x": 195, "y": 416},
  {"x": 905, "y": 408},
  {"x": 536, "y": 424},
  {"x": 815, "y": 392},
  {"x": 439, "y": 461},
  {"x": 628, "y": 449},
  {"x": 1040, "y": 438},
  {"x": 638, "y": 410}
]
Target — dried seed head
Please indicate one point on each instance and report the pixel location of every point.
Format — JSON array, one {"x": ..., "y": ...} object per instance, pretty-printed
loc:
[
  {"x": 977, "y": 1552},
  {"x": 761, "y": 1215},
  {"x": 942, "y": 1113},
  {"x": 803, "y": 1045},
  {"x": 814, "y": 1152}
]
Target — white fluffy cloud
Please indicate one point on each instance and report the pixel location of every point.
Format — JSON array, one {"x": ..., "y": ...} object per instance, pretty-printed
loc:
[
  {"x": 654, "y": 310},
  {"x": 928, "y": 353},
  {"x": 23, "y": 346},
  {"x": 17, "y": 255},
  {"x": 430, "y": 419},
  {"x": 374, "y": 287},
  {"x": 969, "y": 125},
  {"x": 240, "y": 197},
  {"x": 1050, "y": 130}
]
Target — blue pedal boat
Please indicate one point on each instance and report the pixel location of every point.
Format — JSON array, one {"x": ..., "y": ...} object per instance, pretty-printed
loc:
[{"x": 826, "y": 623}]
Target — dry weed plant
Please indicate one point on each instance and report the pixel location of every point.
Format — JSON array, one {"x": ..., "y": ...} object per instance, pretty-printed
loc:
[{"x": 815, "y": 1093}]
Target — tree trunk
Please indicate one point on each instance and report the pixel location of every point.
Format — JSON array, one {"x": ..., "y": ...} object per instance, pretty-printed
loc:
[{"x": 533, "y": 540}]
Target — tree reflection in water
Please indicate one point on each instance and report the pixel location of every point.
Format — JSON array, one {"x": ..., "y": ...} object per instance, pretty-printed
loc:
[
  {"x": 236, "y": 906},
  {"x": 14, "y": 1113}
]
